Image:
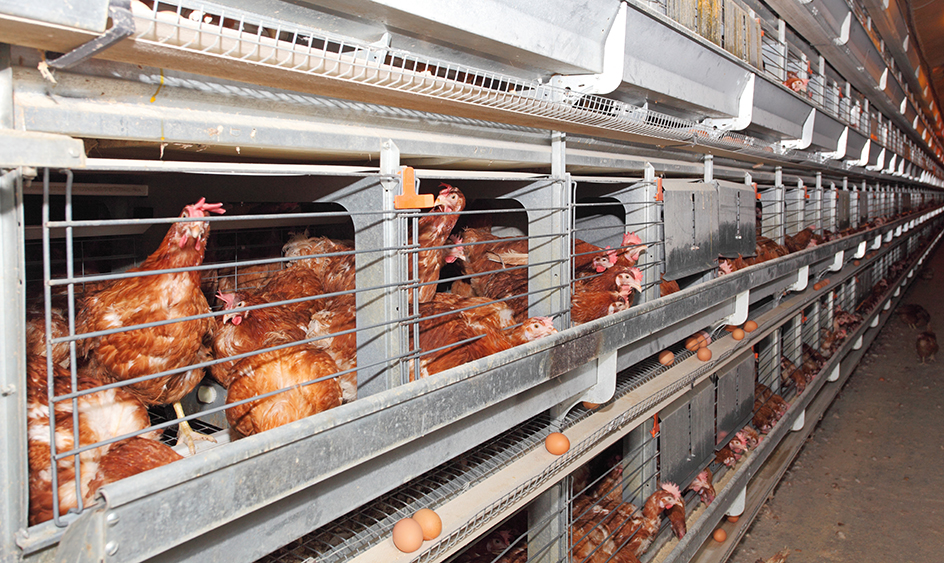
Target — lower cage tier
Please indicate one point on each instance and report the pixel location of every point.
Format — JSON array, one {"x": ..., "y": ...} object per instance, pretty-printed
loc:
[{"x": 278, "y": 369}]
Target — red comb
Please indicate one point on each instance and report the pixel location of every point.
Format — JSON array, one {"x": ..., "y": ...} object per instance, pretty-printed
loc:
[
  {"x": 227, "y": 298},
  {"x": 631, "y": 239},
  {"x": 672, "y": 488},
  {"x": 203, "y": 209}
]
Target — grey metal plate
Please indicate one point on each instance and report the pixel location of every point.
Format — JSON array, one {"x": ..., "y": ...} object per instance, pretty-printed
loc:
[
  {"x": 735, "y": 397},
  {"x": 663, "y": 64},
  {"x": 842, "y": 210},
  {"x": 826, "y": 131},
  {"x": 687, "y": 434},
  {"x": 855, "y": 142},
  {"x": 865, "y": 53},
  {"x": 691, "y": 227},
  {"x": 736, "y": 219},
  {"x": 90, "y": 15},
  {"x": 830, "y": 13},
  {"x": 505, "y": 30},
  {"x": 777, "y": 110}
]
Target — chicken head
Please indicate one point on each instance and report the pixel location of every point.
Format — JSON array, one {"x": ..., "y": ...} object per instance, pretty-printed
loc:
[
  {"x": 633, "y": 247},
  {"x": 184, "y": 231},
  {"x": 450, "y": 200}
]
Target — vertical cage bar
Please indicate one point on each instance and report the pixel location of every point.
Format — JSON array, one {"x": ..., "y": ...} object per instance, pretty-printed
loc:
[{"x": 13, "y": 447}]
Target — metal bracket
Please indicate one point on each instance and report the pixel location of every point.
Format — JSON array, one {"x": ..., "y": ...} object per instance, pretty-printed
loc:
[
  {"x": 84, "y": 539},
  {"x": 745, "y": 110},
  {"x": 803, "y": 279},
  {"x": 614, "y": 53},
  {"x": 834, "y": 375},
  {"x": 879, "y": 163},
  {"x": 888, "y": 236},
  {"x": 40, "y": 150},
  {"x": 737, "y": 505},
  {"x": 863, "y": 156},
  {"x": 874, "y": 323},
  {"x": 837, "y": 261},
  {"x": 860, "y": 251},
  {"x": 605, "y": 387},
  {"x": 800, "y": 421},
  {"x": 807, "y": 139},
  {"x": 877, "y": 243},
  {"x": 898, "y": 231},
  {"x": 890, "y": 169},
  {"x": 122, "y": 26},
  {"x": 840, "y": 147},
  {"x": 844, "y": 30},
  {"x": 742, "y": 303},
  {"x": 897, "y": 291},
  {"x": 858, "y": 342}
]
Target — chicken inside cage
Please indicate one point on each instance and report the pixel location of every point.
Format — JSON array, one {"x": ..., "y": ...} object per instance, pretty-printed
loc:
[{"x": 242, "y": 315}]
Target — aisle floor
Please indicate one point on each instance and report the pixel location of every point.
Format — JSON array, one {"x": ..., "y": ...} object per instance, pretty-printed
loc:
[{"x": 867, "y": 486}]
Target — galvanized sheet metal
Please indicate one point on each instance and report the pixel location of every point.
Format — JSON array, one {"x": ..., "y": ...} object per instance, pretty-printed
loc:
[
  {"x": 670, "y": 66},
  {"x": 777, "y": 110},
  {"x": 735, "y": 397},
  {"x": 855, "y": 142},
  {"x": 688, "y": 434},
  {"x": 560, "y": 36},
  {"x": 691, "y": 227},
  {"x": 842, "y": 210},
  {"x": 831, "y": 15},
  {"x": 88, "y": 15},
  {"x": 865, "y": 54},
  {"x": 737, "y": 234},
  {"x": 826, "y": 131}
]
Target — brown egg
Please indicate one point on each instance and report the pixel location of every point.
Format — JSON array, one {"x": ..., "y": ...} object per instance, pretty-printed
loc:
[
  {"x": 704, "y": 354},
  {"x": 590, "y": 406},
  {"x": 733, "y": 519},
  {"x": 825, "y": 282},
  {"x": 737, "y": 334},
  {"x": 704, "y": 338},
  {"x": 557, "y": 443},
  {"x": 855, "y": 262},
  {"x": 407, "y": 535},
  {"x": 691, "y": 343},
  {"x": 430, "y": 522},
  {"x": 750, "y": 326},
  {"x": 730, "y": 328},
  {"x": 817, "y": 286},
  {"x": 666, "y": 358},
  {"x": 720, "y": 535}
]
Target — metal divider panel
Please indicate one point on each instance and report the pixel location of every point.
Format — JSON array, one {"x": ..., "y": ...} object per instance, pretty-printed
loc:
[
  {"x": 863, "y": 207},
  {"x": 686, "y": 439},
  {"x": 703, "y": 427},
  {"x": 735, "y": 398},
  {"x": 675, "y": 439},
  {"x": 745, "y": 389},
  {"x": 842, "y": 210},
  {"x": 736, "y": 219},
  {"x": 691, "y": 226}
]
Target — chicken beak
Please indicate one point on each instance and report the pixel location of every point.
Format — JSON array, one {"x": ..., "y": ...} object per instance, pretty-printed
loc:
[{"x": 234, "y": 318}]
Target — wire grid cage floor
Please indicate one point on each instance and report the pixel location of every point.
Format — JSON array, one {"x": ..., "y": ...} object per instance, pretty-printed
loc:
[{"x": 359, "y": 530}]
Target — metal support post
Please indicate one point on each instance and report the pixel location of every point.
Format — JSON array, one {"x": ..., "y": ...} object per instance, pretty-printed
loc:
[
  {"x": 639, "y": 464},
  {"x": 13, "y": 448},
  {"x": 549, "y": 525}
]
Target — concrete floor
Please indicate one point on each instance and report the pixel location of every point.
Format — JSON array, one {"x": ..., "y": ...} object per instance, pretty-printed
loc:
[{"x": 868, "y": 486}]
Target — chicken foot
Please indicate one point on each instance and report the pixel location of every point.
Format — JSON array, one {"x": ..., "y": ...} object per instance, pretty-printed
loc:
[{"x": 188, "y": 434}]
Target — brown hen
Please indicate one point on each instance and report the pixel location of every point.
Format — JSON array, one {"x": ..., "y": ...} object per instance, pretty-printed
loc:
[{"x": 147, "y": 298}]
